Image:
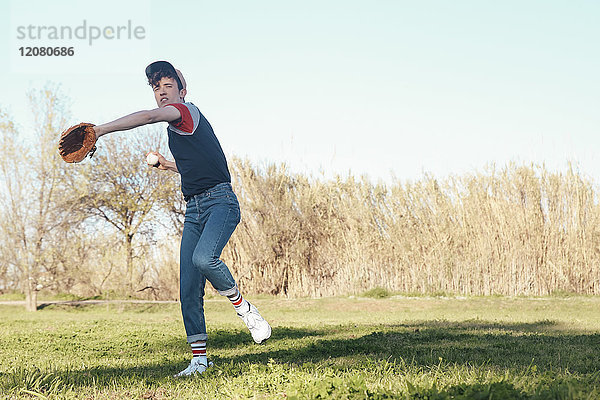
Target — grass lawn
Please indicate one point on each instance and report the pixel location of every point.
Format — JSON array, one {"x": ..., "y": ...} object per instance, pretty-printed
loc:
[{"x": 344, "y": 348}]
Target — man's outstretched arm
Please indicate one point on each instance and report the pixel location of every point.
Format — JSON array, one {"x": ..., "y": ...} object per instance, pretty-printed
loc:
[{"x": 140, "y": 118}]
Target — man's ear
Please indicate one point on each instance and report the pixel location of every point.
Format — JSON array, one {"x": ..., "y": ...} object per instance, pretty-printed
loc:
[{"x": 182, "y": 93}]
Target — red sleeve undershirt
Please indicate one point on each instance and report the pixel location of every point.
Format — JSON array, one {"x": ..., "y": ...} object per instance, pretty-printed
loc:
[{"x": 185, "y": 123}]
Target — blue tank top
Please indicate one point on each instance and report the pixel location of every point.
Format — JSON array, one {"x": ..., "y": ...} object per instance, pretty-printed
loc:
[{"x": 198, "y": 154}]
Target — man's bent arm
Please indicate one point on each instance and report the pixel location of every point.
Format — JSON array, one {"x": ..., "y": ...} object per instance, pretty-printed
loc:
[
  {"x": 171, "y": 166},
  {"x": 140, "y": 118},
  {"x": 166, "y": 164}
]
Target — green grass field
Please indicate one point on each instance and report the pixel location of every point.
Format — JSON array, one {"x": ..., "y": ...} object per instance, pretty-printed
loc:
[{"x": 342, "y": 348}]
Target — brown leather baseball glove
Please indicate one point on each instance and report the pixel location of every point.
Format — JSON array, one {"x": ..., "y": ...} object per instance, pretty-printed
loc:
[{"x": 77, "y": 142}]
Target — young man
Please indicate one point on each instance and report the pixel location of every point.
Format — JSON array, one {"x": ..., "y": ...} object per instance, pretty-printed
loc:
[{"x": 212, "y": 209}]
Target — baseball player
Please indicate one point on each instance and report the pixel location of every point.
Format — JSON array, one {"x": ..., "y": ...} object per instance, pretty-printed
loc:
[{"x": 212, "y": 209}]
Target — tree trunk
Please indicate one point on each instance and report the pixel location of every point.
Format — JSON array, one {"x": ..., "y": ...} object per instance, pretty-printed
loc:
[
  {"x": 129, "y": 249},
  {"x": 30, "y": 298}
]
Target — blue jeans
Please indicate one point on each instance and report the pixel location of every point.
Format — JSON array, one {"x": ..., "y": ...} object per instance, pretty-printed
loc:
[{"x": 210, "y": 219}]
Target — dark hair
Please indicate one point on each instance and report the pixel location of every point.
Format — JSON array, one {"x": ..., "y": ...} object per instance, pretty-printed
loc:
[{"x": 163, "y": 73}]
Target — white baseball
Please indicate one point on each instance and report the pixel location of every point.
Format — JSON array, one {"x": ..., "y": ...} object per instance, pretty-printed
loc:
[{"x": 151, "y": 159}]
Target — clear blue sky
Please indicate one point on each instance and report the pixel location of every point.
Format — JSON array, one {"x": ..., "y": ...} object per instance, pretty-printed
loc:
[{"x": 375, "y": 87}]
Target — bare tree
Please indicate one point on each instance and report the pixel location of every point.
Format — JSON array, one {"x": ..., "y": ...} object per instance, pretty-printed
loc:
[
  {"x": 32, "y": 199},
  {"x": 125, "y": 193}
]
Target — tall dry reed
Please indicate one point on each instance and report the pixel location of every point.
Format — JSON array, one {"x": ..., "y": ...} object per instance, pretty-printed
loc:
[{"x": 517, "y": 230}]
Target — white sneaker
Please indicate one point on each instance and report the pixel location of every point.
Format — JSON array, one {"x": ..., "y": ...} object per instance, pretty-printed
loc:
[
  {"x": 195, "y": 367},
  {"x": 259, "y": 328}
]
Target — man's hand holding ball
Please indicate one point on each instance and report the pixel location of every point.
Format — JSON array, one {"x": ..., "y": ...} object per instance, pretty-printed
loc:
[
  {"x": 157, "y": 160},
  {"x": 152, "y": 160}
]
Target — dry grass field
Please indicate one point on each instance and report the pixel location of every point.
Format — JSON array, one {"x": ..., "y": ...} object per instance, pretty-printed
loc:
[{"x": 517, "y": 230}]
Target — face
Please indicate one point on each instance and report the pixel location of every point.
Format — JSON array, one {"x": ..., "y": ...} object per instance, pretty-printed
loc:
[{"x": 167, "y": 92}]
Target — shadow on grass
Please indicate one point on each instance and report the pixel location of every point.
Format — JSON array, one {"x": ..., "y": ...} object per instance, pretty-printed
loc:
[
  {"x": 514, "y": 346},
  {"x": 231, "y": 339},
  {"x": 426, "y": 344}
]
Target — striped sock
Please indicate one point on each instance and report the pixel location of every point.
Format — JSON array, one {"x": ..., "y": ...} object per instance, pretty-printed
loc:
[
  {"x": 239, "y": 302},
  {"x": 199, "y": 349}
]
